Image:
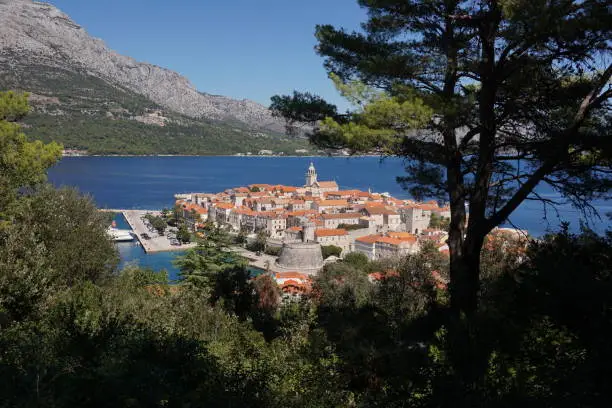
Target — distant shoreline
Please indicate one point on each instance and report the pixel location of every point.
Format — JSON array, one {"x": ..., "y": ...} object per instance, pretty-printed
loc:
[{"x": 220, "y": 155}]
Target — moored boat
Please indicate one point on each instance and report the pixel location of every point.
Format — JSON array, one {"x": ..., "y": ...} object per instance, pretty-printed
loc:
[{"x": 119, "y": 235}]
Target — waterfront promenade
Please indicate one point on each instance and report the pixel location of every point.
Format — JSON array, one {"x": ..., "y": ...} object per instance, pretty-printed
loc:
[{"x": 157, "y": 243}]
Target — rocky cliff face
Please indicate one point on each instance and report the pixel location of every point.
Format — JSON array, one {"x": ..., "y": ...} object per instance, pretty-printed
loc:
[{"x": 40, "y": 34}]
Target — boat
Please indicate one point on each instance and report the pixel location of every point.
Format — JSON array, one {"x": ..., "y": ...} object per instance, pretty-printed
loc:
[{"x": 119, "y": 235}]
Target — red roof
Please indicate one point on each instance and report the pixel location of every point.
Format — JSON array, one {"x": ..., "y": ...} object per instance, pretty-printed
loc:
[
  {"x": 224, "y": 206},
  {"x": 327, "y": 184},
  {"x": 368, "y": 239},
  {"x": 380, "y": 210},
  {"x": 340, "y": 216},
  {"x": 291, "y": 275},
  {"x": 322, "y": 232},
  {"x": 332, "y": 203},
  {"x": 301, "y": 213}
]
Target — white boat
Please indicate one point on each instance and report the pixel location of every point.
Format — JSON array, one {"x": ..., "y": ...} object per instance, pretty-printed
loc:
[{"x": 119, "y": 235}]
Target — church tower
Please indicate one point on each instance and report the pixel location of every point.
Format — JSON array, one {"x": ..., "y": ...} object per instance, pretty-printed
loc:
[{"x": 311, "y": 175}]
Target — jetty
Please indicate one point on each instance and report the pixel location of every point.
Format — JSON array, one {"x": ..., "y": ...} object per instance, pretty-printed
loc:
[{"x": 156, "y": 243}]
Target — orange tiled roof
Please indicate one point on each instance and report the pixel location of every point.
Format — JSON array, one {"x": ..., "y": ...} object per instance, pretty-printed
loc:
[
  {"x": 259, "y": 194},
  {"x": 340, "y": 216},
  {"x": 294, "y": 229},
  {"x": 290, "y": 275},
  {"x": 322, "y": 232},
  {"x": 368, "y": 239},
  {"x": 327, "y": 184},
  {"x": 343, "y": 193},
  {"x": 392, "y": 241},
  {"x": 332, "y": 203},
  {"x": 403, "y": 236},
  {"x": 194, "y": 207},
  {"x": 286, "y": 189},
  {"x": 428, "y": 207},
  {"x": 242, "y": 210},
  {"x": 301, "y": 213},
  {"x": 380, "y": 211},
  {"x": 224, "y": 206}
]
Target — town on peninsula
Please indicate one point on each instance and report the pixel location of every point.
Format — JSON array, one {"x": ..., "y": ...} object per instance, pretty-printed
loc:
[{"x": 306, "y": 227}]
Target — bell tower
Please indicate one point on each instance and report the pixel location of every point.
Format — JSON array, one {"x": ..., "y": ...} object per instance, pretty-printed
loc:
[{"x": 311, "y": 175}]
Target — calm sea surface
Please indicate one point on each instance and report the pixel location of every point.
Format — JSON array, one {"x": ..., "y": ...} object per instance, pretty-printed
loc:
[{"x": 151, "y": 182}]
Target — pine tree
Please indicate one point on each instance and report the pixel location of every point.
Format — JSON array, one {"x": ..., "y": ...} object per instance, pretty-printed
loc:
[{"x": 485, "y": 99}]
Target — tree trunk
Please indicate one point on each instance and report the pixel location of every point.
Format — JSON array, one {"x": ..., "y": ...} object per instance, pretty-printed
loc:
[
  {"x": 465, "y": 277},
  {"x": 463, "y": 343}
]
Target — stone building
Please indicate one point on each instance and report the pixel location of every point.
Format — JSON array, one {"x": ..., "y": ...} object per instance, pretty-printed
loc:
[
  {"x": 303, "y": 256},
  {"x": 332, "y": 221},
  {"x": 337, "y": 237},
  {"x": 416, "y": 218},
  {"x": 315, "y": 187},
  {"x": 390, "y": 245}
]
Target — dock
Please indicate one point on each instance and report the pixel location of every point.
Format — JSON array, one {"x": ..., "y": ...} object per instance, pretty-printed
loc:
[
  {"x": 157, "y": 243},
  {"x": 162, "y": 243}
]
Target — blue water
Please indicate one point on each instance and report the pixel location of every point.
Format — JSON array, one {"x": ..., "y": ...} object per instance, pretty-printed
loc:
[{"x": 151, "y": 182}]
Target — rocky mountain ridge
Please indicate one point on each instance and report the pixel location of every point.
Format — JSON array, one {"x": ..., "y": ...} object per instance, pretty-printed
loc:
[{"x": 40, "y": 34}]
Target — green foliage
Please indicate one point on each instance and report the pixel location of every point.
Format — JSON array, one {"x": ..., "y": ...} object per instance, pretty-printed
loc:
[
  {"x": 241, "y": 237},
  {"x": 13, "y": 106},
  {"x": 377, "y": 123},
  {"x": 76, "y": 332},
  {"x": 350, "y": 227},
  {"x": 58, "y": 239},
  {"x": 484, "y": 102},
  {"x": 260, "y": 243},
  {"x": 87, "y": 113},
  {"x": 22, "y": 163},
  {"x": 438, "y": 222},
  {"x": 330, "y": 250},
  {"x": 201, "y": 265},
  {"x": 301, "y": 107},
  {"x": 183, "y": 234},
  {"x": 274, "y": 251},
  {"x": 159, "y": 223},
  {"x": 356, "y": 260}
]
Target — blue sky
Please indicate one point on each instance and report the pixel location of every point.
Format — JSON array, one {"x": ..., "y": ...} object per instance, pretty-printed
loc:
[{"x": 239, "y": 48}]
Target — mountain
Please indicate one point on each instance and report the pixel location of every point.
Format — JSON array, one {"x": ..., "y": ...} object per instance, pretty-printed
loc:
[{"x": 106, "y": 102}]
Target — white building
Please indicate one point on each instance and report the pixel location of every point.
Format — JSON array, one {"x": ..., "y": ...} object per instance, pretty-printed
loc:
[
  {"x": 337, "y": 237},
  {"x": 391, "y": 245},
  {"x": 315, "y": 187},
  {"x": 416, "y": 218},
  {"x": 331, "y": 221}
]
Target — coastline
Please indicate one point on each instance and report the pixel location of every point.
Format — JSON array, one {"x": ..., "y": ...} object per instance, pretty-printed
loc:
[{"x": 226, "y": 155}]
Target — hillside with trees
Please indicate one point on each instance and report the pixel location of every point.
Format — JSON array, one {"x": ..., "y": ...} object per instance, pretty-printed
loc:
[{"x": 84, "y": 112}]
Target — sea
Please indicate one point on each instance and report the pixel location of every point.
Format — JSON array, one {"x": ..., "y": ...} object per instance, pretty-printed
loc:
[{"x": 150, "y": 183}]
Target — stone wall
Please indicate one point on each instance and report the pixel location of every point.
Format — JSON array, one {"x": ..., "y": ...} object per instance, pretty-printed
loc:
[{"x": 301, "y": 257}]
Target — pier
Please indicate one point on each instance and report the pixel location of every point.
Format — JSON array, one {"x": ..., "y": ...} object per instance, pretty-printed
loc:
[
  {"x": 157, "y": 243},
  {"x": 161, "y": 243}
]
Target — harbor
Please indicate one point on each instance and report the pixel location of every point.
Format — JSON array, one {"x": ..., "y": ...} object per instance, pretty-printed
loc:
[{"x": 155, "y": 243}]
